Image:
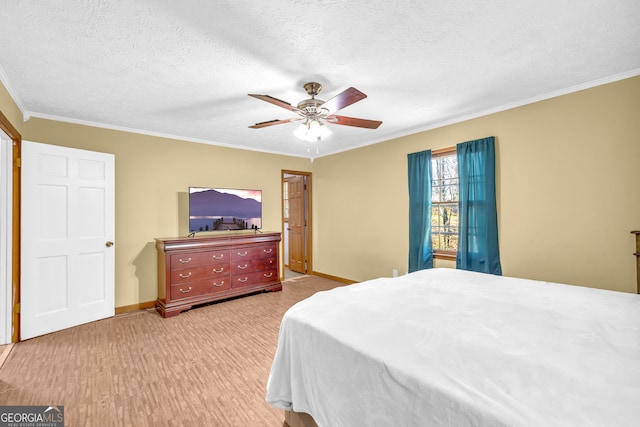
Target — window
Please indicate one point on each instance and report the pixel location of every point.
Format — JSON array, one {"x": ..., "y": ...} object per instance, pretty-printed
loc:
[
  {"x": 444, "y": 202},
  {"x": 452, "y": 207}
]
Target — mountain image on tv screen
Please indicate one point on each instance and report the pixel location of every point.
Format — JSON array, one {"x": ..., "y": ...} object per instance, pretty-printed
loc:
[{"x": 221, "y": 209}]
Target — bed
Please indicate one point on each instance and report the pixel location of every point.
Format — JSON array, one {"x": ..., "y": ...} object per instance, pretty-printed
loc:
[{"x": 446, "y": 347}]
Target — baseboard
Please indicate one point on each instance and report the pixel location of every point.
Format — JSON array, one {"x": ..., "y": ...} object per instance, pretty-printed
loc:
[
  {"x": 134, "y": 307},
  {"x": 335, "y": 278}
]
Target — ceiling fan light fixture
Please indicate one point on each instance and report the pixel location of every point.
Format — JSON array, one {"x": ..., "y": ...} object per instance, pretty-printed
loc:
[
  {"x": 301, "y": 131},
  {"x": 312, "y": 130}
]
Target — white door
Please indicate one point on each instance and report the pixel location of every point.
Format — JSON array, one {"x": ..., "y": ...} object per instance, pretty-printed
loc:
[{"x": 67, "y": 228}]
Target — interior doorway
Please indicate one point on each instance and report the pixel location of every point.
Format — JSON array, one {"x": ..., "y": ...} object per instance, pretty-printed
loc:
[
  {"x": 10, "y": 286},
  {"x": 296, "y": 222},
  {"x": 6, "y": 250}
]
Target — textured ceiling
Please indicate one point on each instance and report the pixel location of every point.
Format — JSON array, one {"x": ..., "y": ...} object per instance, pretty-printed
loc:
[{"x": 184, "y": 68}]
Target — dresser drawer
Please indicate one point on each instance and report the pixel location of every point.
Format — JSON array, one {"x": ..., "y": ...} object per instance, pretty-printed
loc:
[
  {"x": 189, "y": 259},
  {"x": 254, "y": 278},
  {"x": 188, "y": 290},
  {"x": 250, "y": 265},
  {"x": 253, "y": 252},
  {"x": 197, "y": 273}
]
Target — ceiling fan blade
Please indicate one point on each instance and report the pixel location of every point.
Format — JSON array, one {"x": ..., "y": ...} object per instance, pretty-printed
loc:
[
  {"x": 352, "y": 121},
  {"x": 275, "y": 101},
  {"x": 344, "y": 99},
  {"x": 273, "y": 122}
]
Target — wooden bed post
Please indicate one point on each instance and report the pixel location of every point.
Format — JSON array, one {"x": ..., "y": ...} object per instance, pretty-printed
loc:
[{"x": 637, "y": 254}]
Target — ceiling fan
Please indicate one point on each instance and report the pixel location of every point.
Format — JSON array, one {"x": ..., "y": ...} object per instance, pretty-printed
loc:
[{"x": 316, "y": 113}]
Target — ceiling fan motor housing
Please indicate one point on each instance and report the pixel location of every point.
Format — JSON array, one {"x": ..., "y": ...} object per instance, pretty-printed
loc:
[{"x": 312, "y": 106}]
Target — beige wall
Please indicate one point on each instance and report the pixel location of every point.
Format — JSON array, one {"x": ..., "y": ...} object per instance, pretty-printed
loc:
[
  {"x": 10, "y": 109},
  {"x": 567, "y": 190},
  {"x": 152, "y": 178},
  {"x": 568, "y": 170}
]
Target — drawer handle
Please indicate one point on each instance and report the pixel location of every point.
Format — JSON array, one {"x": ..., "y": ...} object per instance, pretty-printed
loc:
[
  {"x": 267, "y": 251},
  {"x": 217, "y": 256},
  {"x": 243, "y": 280},
  {"x": 185, "y": 277},
  {"x": 243, "y": 253},
  {"x": 242, "y": 267},
  {"x": 218, "y": 271},
  {"x": 268, "y": 275},
  {"x": 218, "y": 285},
  {"x": 187, "y": 291},
  {"x": 184, "y": 261}
]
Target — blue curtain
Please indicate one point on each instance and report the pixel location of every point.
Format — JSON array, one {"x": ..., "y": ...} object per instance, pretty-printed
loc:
[
  {"x": 420, "y": 246},
  {"x": 478, "y": 241}
]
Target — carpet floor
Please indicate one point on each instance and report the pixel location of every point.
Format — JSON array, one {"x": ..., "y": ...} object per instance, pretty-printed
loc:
[{"x": 205, "y": 367}]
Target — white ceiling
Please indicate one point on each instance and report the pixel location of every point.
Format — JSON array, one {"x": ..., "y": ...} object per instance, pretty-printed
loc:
[{"x": 183, "y": 68}]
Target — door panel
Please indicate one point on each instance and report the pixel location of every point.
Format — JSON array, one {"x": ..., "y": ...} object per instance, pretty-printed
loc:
[
  {"x": 296, "y": 224},
  {"x": 67, "y": 219},
  {"x": 91, "y": 269},
  {"x": 52, "y": 295}
]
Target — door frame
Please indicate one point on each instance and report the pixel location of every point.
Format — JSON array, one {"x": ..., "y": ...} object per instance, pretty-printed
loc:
[
  {"x": 15, "y": 136},
  {"x": 308, "y": 230}
]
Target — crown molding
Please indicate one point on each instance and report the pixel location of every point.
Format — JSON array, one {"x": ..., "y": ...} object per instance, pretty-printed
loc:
[
  {"x": 152, "y": 133},
  {"x": 505, "y": 107},
  {"x": 431, "y": 126},
  {"x": 14, "y": 94}
]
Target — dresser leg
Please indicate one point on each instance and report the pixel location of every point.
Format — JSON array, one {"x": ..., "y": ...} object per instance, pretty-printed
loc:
[{"x": 165, "y": 311}]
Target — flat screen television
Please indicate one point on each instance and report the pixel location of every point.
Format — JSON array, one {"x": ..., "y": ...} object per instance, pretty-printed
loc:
[{"x": 224, "y": 209}]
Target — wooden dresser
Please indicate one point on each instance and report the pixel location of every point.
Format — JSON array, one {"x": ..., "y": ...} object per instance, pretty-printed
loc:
[{"x": 201, "y": 269}]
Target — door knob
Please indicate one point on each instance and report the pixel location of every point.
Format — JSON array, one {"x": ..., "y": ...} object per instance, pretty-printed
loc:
[{"x": 109, "y": 244}]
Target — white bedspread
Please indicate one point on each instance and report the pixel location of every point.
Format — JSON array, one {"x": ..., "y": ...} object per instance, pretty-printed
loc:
[{"x": 455, "y": 348}]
